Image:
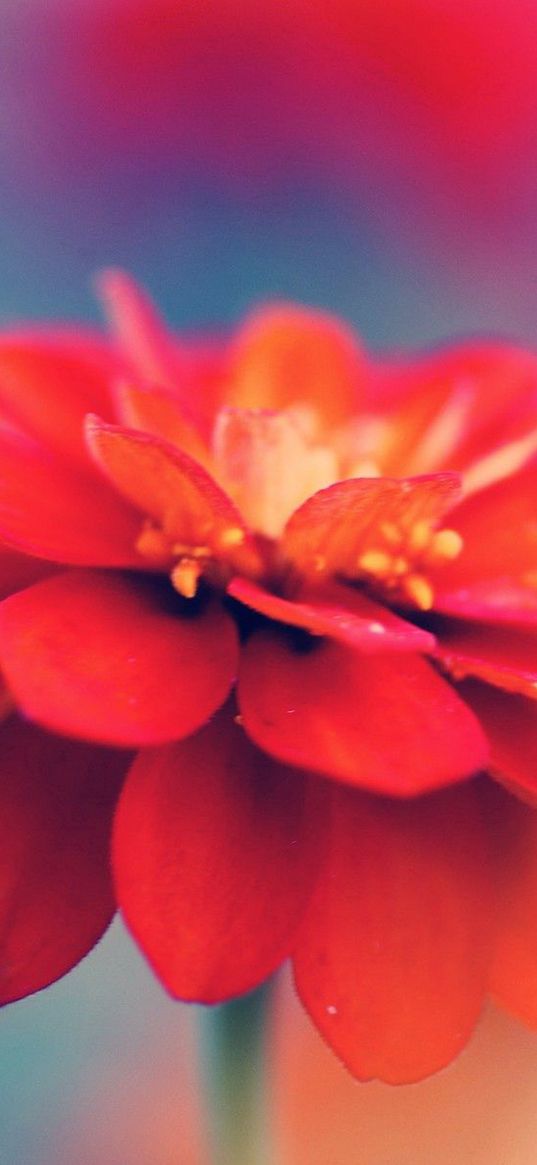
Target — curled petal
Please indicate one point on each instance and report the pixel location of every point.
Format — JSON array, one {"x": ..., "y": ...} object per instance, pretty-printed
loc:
[
  {"x": 392, "y": 957},
  {"x": 157, "y": 412},
  {"x": 57, "y": 799},
  {"x": 105, "y": 658},
  {"x": 502, "y": 655},
  {"x": 338, "y": 612},
  {"x": 510, "y": 722},
  {"x": 215, "y": 850},
  {"x": 172, "y": 489},
  {"x": 142, "y": 336},
  {"x": 388, "y": 723},
  {"x": 334, "y": 527},
  {"x": 52, "y": 511},
  {"x": 286, "y": 355}
]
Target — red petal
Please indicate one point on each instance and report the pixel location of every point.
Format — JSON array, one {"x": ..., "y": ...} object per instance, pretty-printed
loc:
[
  {"x": 334, "y": 527},
  {"x": 140, "y": 332},
  {"x": 387, "y": 723},
  {"x": 50, "y": 511},
  {"x": 504, "y": 656},
  {"x": 338, "y": 612},
  {"x": 215, "y": 851},
  {"x": 287, "y": 355},
  {"x": 513, "y": 979},
  {"x": 18, "y": 571},
  {"x": 48, "y": 384},
  {"x": 392, "y": 956},
  {"x": 510, "y": 723},
  {"x": 498, "y": 601},
  {"x": 56, "y": 804},
  {"x": 498, "y": 526},
  {"x": 173, "y": 489},
  {"x": 101, "y": 657}
]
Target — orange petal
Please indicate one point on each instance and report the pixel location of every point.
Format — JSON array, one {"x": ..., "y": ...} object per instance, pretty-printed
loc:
[
  {"x": 388, "y": 722},
  {"x": 170, "y": 487},
  {"x": 286, "y": 355},
  {"x": 339, "y": 612},
  {"x": 336, "y": 525},
  {"x": 392, "y": 957},
  {"x": 215, "y": 851},
  {"x": 159, "y": 413}
]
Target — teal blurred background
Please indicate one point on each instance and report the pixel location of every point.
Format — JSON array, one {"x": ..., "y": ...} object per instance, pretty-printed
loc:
[{"x": 379, "y": 164}]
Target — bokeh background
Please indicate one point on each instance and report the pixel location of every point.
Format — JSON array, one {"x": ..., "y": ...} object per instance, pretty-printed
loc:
[{"x": 377, "y": 159}]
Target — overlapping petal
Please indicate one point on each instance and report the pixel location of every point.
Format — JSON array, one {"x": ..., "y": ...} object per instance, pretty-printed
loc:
[
  {"x": 391, "y": 962},
  {"x": 339, "y": 612},
  {"x": 286, "y": 355},
  {"x": 388, "y": 723},
  {"x": 334, "y": 527},
  {"x": 48, "y": 383},
  {"x": 50, "y": 510},
  {"x": 215, "y": 851},
  {"x": 57, "y": 799},
  {"x": 501, "y": 655},
  {"x": 510, "y": 723},
  {"x": 104, "y": 657}
]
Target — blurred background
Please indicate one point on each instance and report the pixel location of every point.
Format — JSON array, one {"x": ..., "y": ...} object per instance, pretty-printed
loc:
[{"x": 376, "y": 159}]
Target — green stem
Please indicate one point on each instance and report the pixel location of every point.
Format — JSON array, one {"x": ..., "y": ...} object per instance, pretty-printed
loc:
[{"x": 232, "y": 1043}]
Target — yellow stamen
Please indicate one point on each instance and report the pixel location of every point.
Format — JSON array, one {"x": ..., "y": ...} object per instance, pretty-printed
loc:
[
  {"x": 198, "y": 552},
  {"x": 153, "y": 544},
  {"x": 392, "y": 533},
  {"x": 319, "y": 563},
  {"x": 446, "y": 544},
  {"x": 420, "y": 535},
  {"x": 376, "y": 562},
  {"x": 185, "y": 577},
  {"x": 399, "y": 565},
  {"x": 419, "y": 590},
  {"x": 232, "y": 536}
]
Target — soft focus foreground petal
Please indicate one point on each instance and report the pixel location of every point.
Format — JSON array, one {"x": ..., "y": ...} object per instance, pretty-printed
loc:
[
  {"x": 157, "y": 412},
  {"x": 56, "y": 804},
  {"x": 455, "y": 406},
  {"x": 139, "y": 331},
  {"x": 286, "y": 355},
  {"x": 215, "y": 851},
  {"x": 339, "y": 612},
  {"x": 513, "y": 979},
  {"x": 49, "y": 510},
  {"x": 49, "y": 383},
  {"x": 510, "y": 722},
  {"x": 501, "y": 655},
  {"x": 388, "y": 723},
  {"x": 18, "y": 570},
  {"x": 332, "y": 529},
  {"x": 499, "y": 529},
  {"x": 174, "y": 490},
  {"x": 496, "y": 601},
  {"x": 103, "y": 657},
  {"x": 391, "y": 959}
]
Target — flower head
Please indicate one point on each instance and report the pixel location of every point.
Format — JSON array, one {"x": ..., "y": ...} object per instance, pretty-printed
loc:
[{"x": 302, "y": 585}]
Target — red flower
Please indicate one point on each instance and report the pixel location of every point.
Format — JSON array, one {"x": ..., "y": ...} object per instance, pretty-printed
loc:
[{"x": 367, "y": 534}]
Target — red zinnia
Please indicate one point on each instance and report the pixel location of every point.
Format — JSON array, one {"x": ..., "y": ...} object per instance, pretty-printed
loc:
[{"x": 367, "y": 534}]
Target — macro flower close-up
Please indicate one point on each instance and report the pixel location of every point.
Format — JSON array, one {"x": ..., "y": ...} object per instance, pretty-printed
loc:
[{"x": 267, "y": 642}]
